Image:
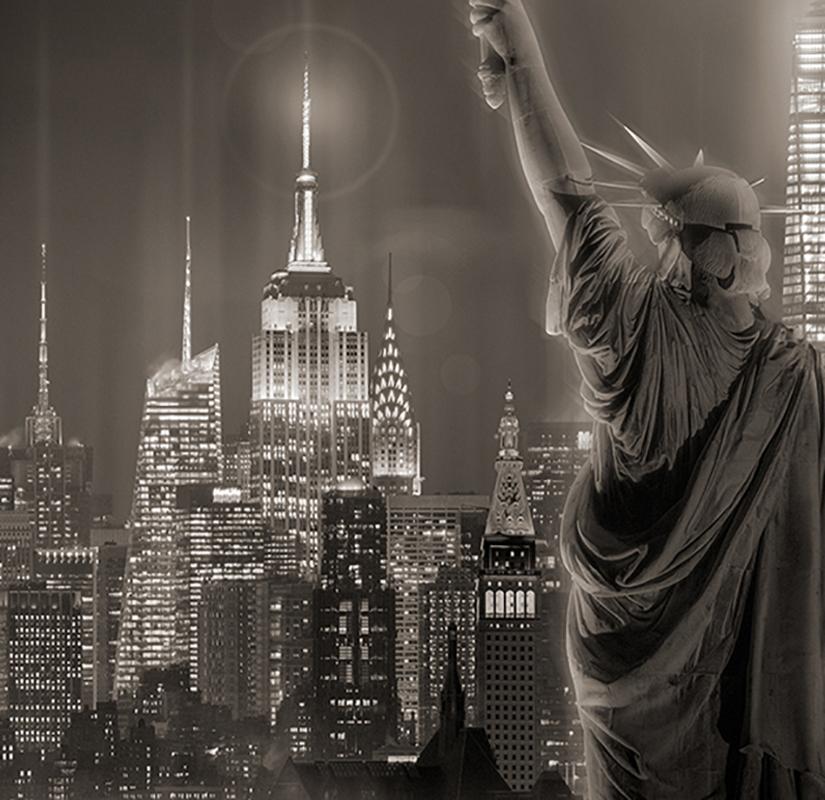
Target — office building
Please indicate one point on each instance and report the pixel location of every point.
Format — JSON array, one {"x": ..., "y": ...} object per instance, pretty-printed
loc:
[
  {"x": 179, "y": 444},
  {"x": 424, "y": 534},
  {"x": 45, "y": 658},
  {"x": 309, "y": 417},
  {"x": 355, "y": 696}
]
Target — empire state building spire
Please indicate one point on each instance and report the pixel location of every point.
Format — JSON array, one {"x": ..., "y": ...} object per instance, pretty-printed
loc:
[
  {"x": 43, "y": 425},
  {"x": 186, "y": 350},
  {"x": 43, "y": 345},
  {"x": 306, "y": 251}
]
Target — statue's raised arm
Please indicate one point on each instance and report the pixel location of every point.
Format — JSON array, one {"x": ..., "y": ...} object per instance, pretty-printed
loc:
[{"x": 552, "y": 157}]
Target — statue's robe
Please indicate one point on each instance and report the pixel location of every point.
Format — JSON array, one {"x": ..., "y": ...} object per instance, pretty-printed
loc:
[{"x": 694, "y": 538}]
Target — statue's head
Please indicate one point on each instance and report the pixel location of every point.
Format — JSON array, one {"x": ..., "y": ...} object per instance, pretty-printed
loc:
[
  {"x": 705, "y": 221},
  {"x": 712, "y": 217}
]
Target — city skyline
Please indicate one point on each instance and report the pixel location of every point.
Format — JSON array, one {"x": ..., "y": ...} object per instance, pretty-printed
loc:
[
  {"x": 323, "y": 551},
  {"x": 115, "y": 232}
]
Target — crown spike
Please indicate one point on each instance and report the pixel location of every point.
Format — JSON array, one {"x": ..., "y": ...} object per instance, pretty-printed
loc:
[
  {"x": 625, "y": 185},
  {"x": 781, "y": 211},
  {"x": 618, "y": 161},
  {"x": 634, "y": 204},
  {"x": 699, "y": 161},
  {"x": 757, "y": 182},
  {"x": 656, "y": 157}
]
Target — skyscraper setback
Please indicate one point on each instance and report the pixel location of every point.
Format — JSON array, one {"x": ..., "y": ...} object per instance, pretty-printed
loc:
[
  {"x": 180, "y": 443},
  {"x": 803, "y": 279},
  {"x": 309, "y": 415}
]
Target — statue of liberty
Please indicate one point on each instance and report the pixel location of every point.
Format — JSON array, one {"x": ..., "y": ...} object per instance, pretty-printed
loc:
[{"x": 694, "y": 538}]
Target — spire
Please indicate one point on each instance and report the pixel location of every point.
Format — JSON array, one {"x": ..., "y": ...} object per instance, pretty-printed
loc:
[
  {"x": 306, "y": 251},
  {"x": 43, "y": 346},
  {"x": 509, "y": 511},
  {"x": 305, "y": 116},
  {"x": 43, "y": 425},
  {"x": 452, "y": 697},
  {"x": 186, "y": 351},
  {"x": 389, "y": 284},
  {"x": 396, "y": 436}
]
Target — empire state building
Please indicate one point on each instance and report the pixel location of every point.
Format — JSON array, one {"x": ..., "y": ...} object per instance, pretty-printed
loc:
[{"x": 309, "y": 416}]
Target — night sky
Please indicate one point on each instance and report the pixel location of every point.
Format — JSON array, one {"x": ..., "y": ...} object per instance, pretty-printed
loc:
[{"x": 119, "y": 118}]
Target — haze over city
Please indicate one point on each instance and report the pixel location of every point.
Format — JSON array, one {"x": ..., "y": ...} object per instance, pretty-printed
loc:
[{"x": 119, "y": 119}]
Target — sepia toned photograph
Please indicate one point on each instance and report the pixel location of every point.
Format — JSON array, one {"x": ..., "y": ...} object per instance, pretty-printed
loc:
[{"x": 412, "y": 400}]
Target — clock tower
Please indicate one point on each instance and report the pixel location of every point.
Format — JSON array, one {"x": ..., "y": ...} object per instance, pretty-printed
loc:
[{"x": 508, "y": 658}]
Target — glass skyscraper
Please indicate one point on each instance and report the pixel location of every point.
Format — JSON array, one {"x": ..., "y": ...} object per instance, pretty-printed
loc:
[
  {"x": 180, "y": 443},
  {"x": 803, "y": 281}
]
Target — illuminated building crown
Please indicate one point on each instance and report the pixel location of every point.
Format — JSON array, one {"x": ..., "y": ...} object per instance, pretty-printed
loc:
[
  {"x": 392, "y": 399},
  {"x": 509, "y": 511}
]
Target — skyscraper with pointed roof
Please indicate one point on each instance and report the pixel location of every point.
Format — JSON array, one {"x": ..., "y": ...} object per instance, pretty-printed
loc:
[
  {"x": 509, "y": 656},
  {"x": 396, "y": 436},
  {"x": 309, "y": 413},
  {"x": 180, "y": 444},
  {"x": 52, "y": 479}
]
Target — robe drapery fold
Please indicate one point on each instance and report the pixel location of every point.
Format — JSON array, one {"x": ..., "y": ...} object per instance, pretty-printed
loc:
[{"x": 693, "y": 537}]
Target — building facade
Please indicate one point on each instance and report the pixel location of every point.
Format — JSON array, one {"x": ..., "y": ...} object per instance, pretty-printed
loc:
[
  {"x": 355, "y": 696},
  {"x": 256, "y": 652},
  {"x": 223, "y": 539},
  {"x": 309, "y": 416},
  {"x": 112, "y": 554},
  {"x": 291, "y": 659},
  {"x": 554, "y": 453},
  {"x": 234, "y": 646},
  {"x": 16, "y": 545},
  {"x": 447, "y": 602},
  {"x": 803, "y": 277},
  {"x": 45, "y": 658},
  {"x": 179, "y": 444},
  {"x": 424, "y": 534},
  {"x": 75, "y": 570}
]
